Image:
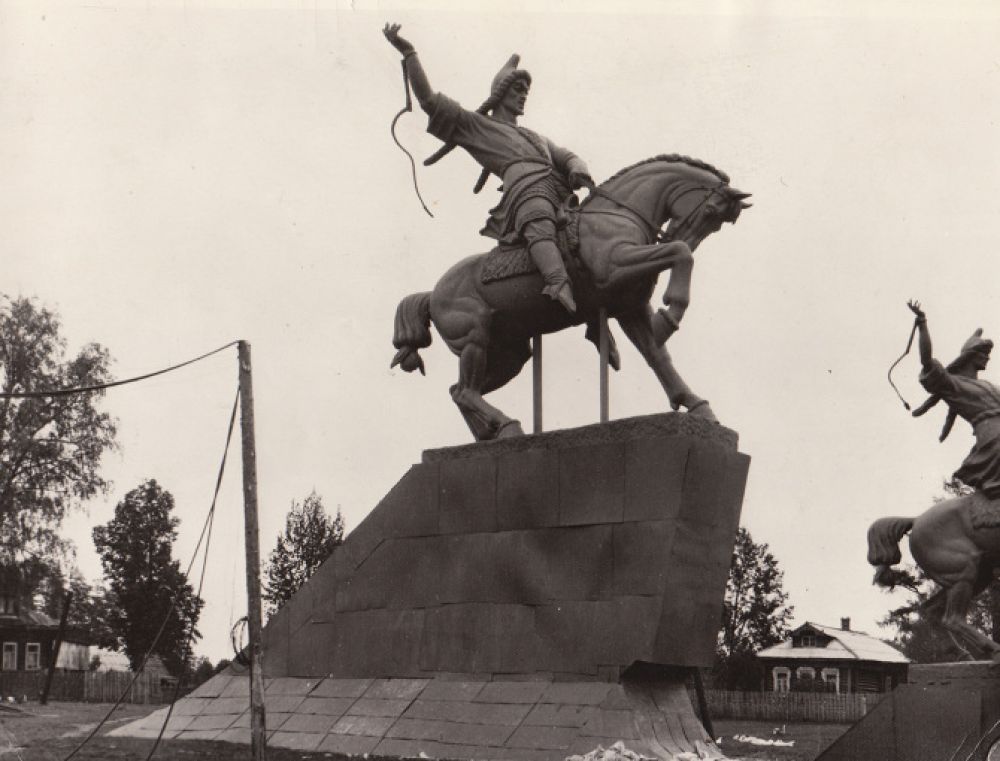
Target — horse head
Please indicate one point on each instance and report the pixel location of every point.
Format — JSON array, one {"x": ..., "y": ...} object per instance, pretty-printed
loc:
[{"x": 701, "y": 208}]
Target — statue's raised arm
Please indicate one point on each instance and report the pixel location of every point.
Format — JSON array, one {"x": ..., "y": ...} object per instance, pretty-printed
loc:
[{"x": 414, "y": 69}]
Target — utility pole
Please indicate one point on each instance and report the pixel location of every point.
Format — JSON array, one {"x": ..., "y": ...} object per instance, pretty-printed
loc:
[
  {"x": 57, "y": 646},
  {"x": 257, "y": 717}
]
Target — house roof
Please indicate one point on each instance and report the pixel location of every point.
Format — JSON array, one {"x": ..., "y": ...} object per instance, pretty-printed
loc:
[
  {"x": 32, "y": 620},
  {"x": 844, "y": 645}
]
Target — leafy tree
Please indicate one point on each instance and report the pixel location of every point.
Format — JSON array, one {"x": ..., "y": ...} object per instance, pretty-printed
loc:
[
  {"x": 754, "y": 616},
  {"x": 50, "y": 447},
  {"x": 309, "y": 538},
  {"x": 143, "y": 579}
]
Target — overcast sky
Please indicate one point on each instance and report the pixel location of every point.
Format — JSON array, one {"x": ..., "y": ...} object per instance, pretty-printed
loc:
[{"x": 180, "y": 175}]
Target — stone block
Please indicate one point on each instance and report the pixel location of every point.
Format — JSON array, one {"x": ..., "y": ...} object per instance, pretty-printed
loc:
[
  {"x": 610, "y": 723},
  {"x": 468, "y": 496},
  {"x": 640, "y": 550},
  {"x": 363, "y": 643},
  {"x": 584, "y": 694},
  {"x": 309, "y": 722},
  {"x": 295, "y": 740},
  {"x": 621, "y": 630},
  {"x": 370, "y": 726},
  {"x": 528, "y": 490},
  {"x": 325, "y": 706},
  {"x": 275, "y": 641},
  {"x": 291, "y": 686},
  {"x": 413, "y": 504},
  {"x": 348, "y": 745},
  {"x": 215, "y": 721},
  {"x": 341, "y": 688},
  {"x": 274, "y": 720},
  {"x": 396, "y": 689},
  {"x": 592, "y": 484},
  {"x": 654, "y": 477},
  {"x": 511, "y": 692},
  {"x": 478, "y": 637},
  {"x": 377, "y": 707},
  {"x": 464, "y": 712},
  {"x": 449, "y": 732},
  {"x": 237, "y": 688},
  {"x": 558, "y": 715},
  {"x": 177, "y": 723},
  {"x": 194, "y": 706},
  {"x": 542, "y": 738},
  {"x": 282, "y": 703},
  {"x": 440, "y": 689},
  {"x": 223, "y": 706}
]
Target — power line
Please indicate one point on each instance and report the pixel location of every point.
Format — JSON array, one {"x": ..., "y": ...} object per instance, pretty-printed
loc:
[{"x": 110, "y": 384}]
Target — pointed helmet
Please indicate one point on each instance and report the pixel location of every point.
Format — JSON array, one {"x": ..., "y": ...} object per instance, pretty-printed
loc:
[
  {"x": 976, "y": 344},
  {"x": 504, "y": 79}
]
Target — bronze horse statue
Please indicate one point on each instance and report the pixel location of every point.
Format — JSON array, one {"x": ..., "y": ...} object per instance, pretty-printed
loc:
[
  {"x": 955, "y": 550},
  {"x": 622, "y": 250}
]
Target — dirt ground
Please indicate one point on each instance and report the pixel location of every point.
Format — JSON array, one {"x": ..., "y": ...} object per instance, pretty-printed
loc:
[{"x": 52, "y": 732}]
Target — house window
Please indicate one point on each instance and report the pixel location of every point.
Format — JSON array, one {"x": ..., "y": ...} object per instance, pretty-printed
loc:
[
  {"x": 10, "y": 656},
  {"x": 32, "y": 656},
  {"x": 805, "y": 672},
  {"x": 7, "y": 605},
  {"x": 831, "y": 676},
  {"x": 808, "y": 640},
  {"x": 782, "y": 679}
]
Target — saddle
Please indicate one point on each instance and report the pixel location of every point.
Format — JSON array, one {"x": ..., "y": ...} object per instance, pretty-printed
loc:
[{"x": 504, "y": 262}]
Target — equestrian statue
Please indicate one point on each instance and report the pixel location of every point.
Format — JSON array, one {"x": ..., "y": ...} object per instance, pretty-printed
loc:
[
  {"x": 957, "y": 541},
  {"x": 557, "y": 263}
]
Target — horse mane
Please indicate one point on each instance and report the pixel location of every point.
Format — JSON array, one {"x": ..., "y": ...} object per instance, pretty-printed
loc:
[{"x": 672, "y": 158}]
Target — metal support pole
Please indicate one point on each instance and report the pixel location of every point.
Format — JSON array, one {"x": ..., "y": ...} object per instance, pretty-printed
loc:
[
  {"x": 56, "y": 648},
  {"x": 536, "y": 381},
  {"x": 257, "y": 717},
  {"x": 605, "y": 349}
]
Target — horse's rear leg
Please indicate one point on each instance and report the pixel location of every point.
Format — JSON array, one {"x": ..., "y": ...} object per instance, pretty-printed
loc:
[
  {"x": 484, "y": 420},
  {"x": 958, "y": 599}
]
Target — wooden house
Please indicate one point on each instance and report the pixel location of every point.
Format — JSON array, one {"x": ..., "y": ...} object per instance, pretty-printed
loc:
[{"x": 825, "y": 658}]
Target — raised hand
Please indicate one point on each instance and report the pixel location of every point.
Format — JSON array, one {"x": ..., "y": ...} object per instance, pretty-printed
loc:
[
  {"x": 915, "y": 308},
  {"x": 391, "y": 32}
]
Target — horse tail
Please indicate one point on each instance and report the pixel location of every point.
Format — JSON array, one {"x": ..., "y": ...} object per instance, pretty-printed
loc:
[
  {"x": 883, "y": 549},
  {"x": 412, "y": 331}
]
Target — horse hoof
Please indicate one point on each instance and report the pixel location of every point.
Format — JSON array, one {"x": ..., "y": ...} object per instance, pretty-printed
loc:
[{"x": 510, "y": 430}]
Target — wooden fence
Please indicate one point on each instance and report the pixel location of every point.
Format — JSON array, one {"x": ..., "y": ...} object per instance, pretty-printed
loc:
[
  {"x": 87, "y": 686},
  {"x": 790, "y": 706}
]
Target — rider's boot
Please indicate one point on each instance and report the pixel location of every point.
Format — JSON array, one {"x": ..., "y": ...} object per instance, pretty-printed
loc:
[{"x": 545, "y": 254}]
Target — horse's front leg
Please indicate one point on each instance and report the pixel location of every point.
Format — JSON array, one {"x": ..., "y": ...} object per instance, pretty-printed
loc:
[
  {"x": 638, "y": 326},
  {"x": 630, "y": 260}
]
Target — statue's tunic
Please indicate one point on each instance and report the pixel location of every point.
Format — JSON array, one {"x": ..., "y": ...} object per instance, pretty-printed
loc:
[
  {"x": 534, "y": 170},
  {"x": 977, "y": 401}
]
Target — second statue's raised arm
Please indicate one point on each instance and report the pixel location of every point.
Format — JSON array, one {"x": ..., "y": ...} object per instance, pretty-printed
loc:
[{"x": 414, "y": 69}]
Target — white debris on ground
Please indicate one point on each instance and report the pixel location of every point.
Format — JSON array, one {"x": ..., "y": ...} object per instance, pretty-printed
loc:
[
  {"x": 762, "y": 741},
  {"x": 618, "y": 752}
]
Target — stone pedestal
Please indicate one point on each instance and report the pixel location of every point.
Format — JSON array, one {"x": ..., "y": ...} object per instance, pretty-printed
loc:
[
  {"x": 523, "y": 598},
  {"x": 945, "y": 711}
]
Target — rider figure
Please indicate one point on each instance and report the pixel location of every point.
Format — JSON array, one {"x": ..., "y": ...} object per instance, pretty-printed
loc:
[
  {"x": 537, "y": 174},
  {"x": 975, "y": 400}
]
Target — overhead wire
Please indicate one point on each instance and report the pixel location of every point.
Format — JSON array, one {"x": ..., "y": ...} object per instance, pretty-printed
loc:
[{"x": 110, "y": 384}]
